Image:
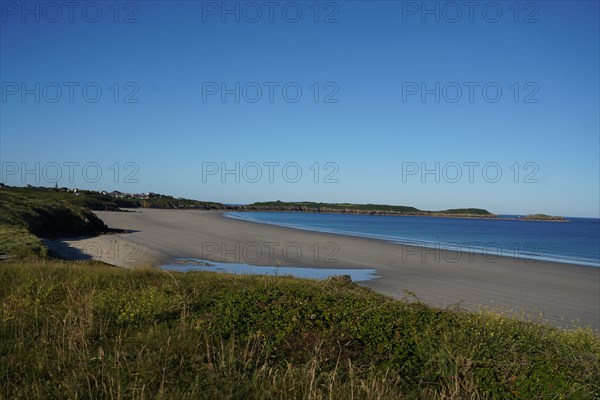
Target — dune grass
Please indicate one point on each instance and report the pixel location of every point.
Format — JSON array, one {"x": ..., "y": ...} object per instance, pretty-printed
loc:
[{"x": 85, "y": 330}]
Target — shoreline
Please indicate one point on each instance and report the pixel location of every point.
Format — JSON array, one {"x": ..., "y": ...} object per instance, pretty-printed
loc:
[
  {"x": 430, "y": 245},
  {"x": 562, "y": 292}
]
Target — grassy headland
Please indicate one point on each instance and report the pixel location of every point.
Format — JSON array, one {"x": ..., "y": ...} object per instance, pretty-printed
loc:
[
  {"x": 26, "y": 217},
  {"x": 372, "y": 209},
  {"x": 106, "y": 202}
]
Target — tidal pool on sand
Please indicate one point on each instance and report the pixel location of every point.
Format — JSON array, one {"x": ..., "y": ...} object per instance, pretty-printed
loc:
[{"x": 187, "y": 265}]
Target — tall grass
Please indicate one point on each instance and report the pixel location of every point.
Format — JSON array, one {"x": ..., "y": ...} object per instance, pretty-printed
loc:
[{"x": 84, "y": 330}]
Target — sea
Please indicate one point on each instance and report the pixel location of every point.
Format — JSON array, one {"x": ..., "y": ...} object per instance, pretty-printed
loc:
[{"x": 574, "y": 242}]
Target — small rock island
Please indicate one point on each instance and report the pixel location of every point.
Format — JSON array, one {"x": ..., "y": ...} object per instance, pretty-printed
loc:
[{"x": 544, "y": 217}]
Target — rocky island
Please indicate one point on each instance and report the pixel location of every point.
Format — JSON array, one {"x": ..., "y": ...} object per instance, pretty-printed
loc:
[{"x": 543, "y": 217}]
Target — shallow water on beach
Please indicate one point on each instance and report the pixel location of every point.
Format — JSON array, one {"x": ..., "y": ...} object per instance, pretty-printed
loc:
[{"x": 189, "y": 265}]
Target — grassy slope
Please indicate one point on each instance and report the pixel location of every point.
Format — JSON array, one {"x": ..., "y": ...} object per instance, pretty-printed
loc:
[
  {"x": 97, "y": 201},
  {"x": 25, "y": 219},
  {"x": 72, "y": 330}
]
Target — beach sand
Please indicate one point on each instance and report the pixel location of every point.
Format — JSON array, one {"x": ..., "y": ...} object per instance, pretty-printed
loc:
[{"x": 562, "y": 294}]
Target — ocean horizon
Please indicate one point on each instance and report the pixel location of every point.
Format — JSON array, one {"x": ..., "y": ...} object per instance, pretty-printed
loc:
[{"x": 575, "y": 242}]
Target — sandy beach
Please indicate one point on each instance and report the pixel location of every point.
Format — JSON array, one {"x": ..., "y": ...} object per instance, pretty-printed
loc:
[{"x": 562, "y": 294}]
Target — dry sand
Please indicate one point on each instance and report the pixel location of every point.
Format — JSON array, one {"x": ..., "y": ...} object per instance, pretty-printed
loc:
[{"x": 562, "y": 293}]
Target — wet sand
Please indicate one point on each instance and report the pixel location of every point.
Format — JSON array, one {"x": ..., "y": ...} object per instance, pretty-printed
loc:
[{"x": 562, "y": 294}]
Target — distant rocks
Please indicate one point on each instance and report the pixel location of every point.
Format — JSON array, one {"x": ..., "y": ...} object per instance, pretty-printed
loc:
[{"x": 544, "y": 217}]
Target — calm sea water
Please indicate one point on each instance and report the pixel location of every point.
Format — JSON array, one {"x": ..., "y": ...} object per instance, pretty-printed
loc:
[{"x": 576, "y": 242}]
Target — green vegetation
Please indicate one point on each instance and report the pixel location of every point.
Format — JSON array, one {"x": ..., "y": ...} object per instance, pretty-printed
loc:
[
  {"x": 24, "y": 219},
  {"x": 98, "y": 201},
  {"x": 82, "y": 330},
  {"x": 163, "y": 201},
  {"x": 85, "y": 199},
  {"x": 47, "y": 217},
  {"x": 312, "y": 206},
  {"x": 362, "y": 209},
  {"x": 470, "y": 211},
  {"x": 17, "y": 241}
]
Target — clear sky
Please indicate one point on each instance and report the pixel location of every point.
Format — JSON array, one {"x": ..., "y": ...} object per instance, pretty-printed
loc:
[{"x": 400, "y": 102}]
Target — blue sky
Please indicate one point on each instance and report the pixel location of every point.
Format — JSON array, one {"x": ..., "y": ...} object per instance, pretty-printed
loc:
[{"x": 387, "y": 75}]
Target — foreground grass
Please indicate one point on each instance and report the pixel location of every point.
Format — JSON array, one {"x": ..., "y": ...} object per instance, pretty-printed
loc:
[{"x": 84, "y": 330}]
